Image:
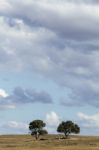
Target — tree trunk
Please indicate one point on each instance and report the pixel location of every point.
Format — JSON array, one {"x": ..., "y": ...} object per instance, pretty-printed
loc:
[
  {"x": 66, "y": 135},
  {"x": 37, "y": 136}
]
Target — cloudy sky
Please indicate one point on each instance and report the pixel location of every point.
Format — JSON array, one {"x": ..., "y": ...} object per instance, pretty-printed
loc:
[{"x": 49, "y": 64}]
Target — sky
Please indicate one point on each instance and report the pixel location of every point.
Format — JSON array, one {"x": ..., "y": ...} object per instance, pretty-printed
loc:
[{"x": 49, "y": 64}]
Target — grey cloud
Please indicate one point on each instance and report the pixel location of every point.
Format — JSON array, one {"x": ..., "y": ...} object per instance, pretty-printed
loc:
[
  {"x": 84, "y": 1},
  {"x": 12, "y": 22},
  {"x": 75, "y": 22},
  {"x": 55, "y": 41},
  {"x": 24, "y": 96},
  {"x": 4, "y": 56},
  {"x": 29, "y": 96},
  {"x": 6, "y": 104},
  {"x": 85, "y": 95}
]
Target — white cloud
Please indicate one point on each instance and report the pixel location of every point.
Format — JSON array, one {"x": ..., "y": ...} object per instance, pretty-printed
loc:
[
  {"x": 52, "y": 119},
  {"x": 4, "y": 4},
  {"x": 89, "y": 121},
  {"x": 16, "y": 125},
  {"x": 3, "y": 93},
  {"x": 4, "y": 104}
]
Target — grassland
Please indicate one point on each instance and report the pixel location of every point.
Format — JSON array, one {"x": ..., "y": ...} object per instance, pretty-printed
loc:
[{"x": 26, "y": 142}]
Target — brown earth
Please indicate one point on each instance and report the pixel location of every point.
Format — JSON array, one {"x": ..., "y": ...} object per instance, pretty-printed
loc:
[{"x": 49, "y": 142}]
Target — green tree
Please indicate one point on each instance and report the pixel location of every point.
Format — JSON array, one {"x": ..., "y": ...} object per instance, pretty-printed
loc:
[
  {"x": 68, "y": 127},
  {"x": 36, "y": 128}
]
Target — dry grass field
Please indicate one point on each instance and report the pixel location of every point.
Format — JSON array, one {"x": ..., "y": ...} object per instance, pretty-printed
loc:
[{"x": 26, "y": 142}]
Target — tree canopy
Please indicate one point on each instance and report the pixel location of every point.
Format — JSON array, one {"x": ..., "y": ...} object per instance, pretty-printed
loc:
[
  {"x": 36, "y": 128},
  {"x": 68, "y": 127}
]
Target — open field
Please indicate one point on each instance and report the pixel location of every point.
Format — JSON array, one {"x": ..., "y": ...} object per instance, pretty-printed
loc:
[{"x": 26, "y": 142}]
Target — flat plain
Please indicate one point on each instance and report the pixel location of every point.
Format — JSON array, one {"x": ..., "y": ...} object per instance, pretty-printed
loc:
[{"x": 49, "y": 142}]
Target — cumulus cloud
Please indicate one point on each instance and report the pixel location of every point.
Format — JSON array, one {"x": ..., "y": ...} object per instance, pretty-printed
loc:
[
  {"x": 23, "y": 96},
  {"x": 89, "y": 121},
  {"x": 56, "y": 39},
  {"x": 52, "y": 119},
  {"x": 3, "y": 93}
]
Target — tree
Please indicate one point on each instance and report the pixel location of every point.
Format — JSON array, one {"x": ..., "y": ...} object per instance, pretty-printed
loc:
[
  {"x": 68, "y": 127},
  {"x": 36, "y": 128}
]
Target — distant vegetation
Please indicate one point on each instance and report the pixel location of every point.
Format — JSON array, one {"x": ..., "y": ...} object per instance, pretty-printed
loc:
[
  {"x": 37, "y": 128},
  {"x": 68, "y": 127}
]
